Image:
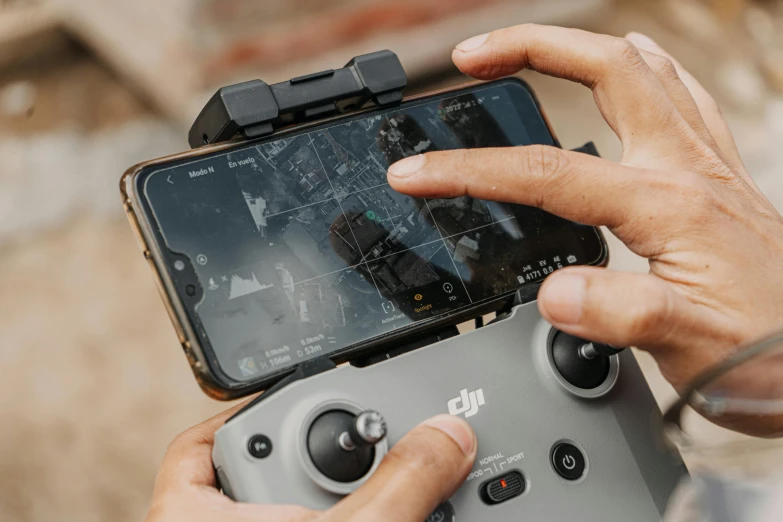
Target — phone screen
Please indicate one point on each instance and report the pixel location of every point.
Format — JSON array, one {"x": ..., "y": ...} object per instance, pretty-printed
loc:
[{"x": 302, "y": 249}]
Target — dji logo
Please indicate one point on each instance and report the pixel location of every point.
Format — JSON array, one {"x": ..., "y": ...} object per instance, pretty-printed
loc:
[{"x": 467, "y": 403}]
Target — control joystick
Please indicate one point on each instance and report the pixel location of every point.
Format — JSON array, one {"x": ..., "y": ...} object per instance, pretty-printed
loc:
[
  {"x": 368, "y": 430},
  {"x": 341, "y": 445},
  {"x": 583, "y": 364}
]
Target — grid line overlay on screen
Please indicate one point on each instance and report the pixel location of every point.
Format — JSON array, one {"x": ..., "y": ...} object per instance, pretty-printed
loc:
[
  {"x": 364, "y": 256},
  {"x": 337, "y": 196},
  {"x": 268, "y": 216},
  {"x": 363, "y": 158},
  {"x": 355, "y": 265},
  {"x": 456, "y": 270},
  {"x": 308, "y": 242},
  {"x": 438, "y": 228}
]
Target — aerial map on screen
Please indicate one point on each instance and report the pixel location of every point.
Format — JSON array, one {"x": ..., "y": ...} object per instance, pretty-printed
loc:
[{"x": 303, "y": 248}]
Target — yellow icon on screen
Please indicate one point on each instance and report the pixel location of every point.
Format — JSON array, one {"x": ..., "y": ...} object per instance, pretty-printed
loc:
[{"x": 418, "y": 297}]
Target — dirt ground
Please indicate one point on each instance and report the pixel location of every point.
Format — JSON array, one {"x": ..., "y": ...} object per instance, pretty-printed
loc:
[{"x": 92, "y": 382}]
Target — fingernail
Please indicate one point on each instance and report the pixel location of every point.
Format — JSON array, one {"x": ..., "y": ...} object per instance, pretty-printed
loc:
[
  {"x": 457, "y": 429},
  {"x": 407, "y": 166},
  {"x": 474, "y": 43},
  {"x": 563, "y": 297}
]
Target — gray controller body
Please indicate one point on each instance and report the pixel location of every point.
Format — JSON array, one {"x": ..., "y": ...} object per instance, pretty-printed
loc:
[{"x": 526, "y": 412}]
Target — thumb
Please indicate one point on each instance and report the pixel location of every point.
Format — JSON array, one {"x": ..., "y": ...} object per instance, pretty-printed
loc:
[
  {"x": 422, "y": 470},
  {"x": 623, "y": 309},
  {"x": 639, "y": 310}
]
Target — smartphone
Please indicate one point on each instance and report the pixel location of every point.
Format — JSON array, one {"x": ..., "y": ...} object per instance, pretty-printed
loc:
[{"x": 273, "y": 252}]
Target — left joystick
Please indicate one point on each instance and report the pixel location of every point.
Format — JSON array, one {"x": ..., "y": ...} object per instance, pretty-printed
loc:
[
  {"x": 368, "y": 430},
  {"x": 341, "y": 445}
]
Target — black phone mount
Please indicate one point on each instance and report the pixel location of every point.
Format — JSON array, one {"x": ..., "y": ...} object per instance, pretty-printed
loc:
[{"x": 255, "y": 108}]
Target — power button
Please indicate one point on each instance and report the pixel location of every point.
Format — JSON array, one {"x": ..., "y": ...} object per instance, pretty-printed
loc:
[{"x": 568, "y": 461}]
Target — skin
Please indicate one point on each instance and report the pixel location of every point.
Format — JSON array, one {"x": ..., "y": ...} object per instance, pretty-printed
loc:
[
  {"x": 680, "y": 197},
  {"x": 422, "y": 470}
]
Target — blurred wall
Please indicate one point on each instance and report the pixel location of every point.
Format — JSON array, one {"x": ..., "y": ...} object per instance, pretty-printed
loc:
[{"x": 92, "y": 382}]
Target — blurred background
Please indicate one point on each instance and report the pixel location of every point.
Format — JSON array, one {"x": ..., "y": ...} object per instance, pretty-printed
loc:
[{"x": 93, "y": 384}]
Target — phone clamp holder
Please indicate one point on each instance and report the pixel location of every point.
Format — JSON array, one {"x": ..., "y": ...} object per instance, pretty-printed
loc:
[{"x": 255, "y": 109}]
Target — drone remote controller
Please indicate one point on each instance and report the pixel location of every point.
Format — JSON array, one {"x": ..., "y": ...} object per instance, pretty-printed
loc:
[
  {"x": 564, "y": 425},
  {"x": 564, "y": 428}
]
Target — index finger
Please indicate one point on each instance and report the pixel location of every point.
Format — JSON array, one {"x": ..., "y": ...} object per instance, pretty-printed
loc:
[
  {"x": 188, "y": 459},
  {"x": 627, "y": 91},
  {"x": 572, "y": 185}
]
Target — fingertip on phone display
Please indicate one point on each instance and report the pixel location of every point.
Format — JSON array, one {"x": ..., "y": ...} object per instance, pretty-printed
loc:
[{"x": 408, "y": 166}]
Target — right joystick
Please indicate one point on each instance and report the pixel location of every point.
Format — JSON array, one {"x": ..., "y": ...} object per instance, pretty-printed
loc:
[
  {"x": 583, "y": 364},
  {"x": 591, "y": 350}
]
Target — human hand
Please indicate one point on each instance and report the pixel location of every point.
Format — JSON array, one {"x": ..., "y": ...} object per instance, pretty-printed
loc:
[
  {"x": 422, "y": 470},
  {"x": 680, "y": 197}
]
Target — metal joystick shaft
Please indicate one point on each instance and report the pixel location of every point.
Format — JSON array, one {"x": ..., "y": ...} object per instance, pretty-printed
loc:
[
  {"x": 368, "y": 430},
  {"x": 592, "y": 350}
]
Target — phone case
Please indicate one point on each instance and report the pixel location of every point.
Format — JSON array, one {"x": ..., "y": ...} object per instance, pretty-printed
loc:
[{"x": 207, "y": 371}]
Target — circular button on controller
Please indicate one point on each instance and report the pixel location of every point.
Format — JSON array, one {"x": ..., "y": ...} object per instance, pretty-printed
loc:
[
  {"x": 259, "y": 446},
  {"x": 443, "y": 513},
  {"x": 568, "y": 461}
]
